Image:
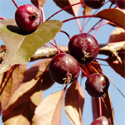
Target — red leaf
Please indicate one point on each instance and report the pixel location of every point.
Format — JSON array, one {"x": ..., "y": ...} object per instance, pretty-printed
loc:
[
  {"x": 74, "y": 102},
  {"x": 113, "y": 15},
  {"x": 21, "y": 103},
  {"x": 37, "y": 71},
  {"x": 49, "y": 111},
  {"x": 117, "y": 35},
  {"x": 64, "y": 3},
  {"x": 41, "y": 2},
  {"x": 107, "y": 109},
  {"x": 92, "y": 67},
  {"x": 11, "y": 81},
  {"x": 27, "y": 96},
  {"x": 114, "y": 64}
]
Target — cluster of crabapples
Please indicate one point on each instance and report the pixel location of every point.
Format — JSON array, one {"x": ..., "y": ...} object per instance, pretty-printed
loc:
[{"x": 65, "y": 68}]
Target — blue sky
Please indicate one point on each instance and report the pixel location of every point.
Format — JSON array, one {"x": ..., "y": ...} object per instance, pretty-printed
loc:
[{"x": 7, "y": 10}]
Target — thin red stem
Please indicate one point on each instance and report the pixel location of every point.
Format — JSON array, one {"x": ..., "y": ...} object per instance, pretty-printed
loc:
[
  {"x": 15, "y": 3},
  {"x": 58, "y": 50},
  {"x": 83, "y": 23},
  {"x": 98, "y": 28},
  {"x": 65, "y": 33},
  {"x": 100, "y": 106},
  {"x": 115, "y": 86},
  {"x": 63, "y": 9},
  {"x": 84, "y": 72},
  {"x": 88, "y": 16},
  {"x": 94, "y": 26},
  {"x": 56, "y": 47},
  {"x": 2, "y": 18}
]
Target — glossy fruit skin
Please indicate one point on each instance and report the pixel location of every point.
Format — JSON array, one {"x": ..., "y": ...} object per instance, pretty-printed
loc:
[
  {"x": 97, "y": 85},
  {"x": 84, "y": 47},
  {"x": 28, "y": 17},
  {"x": 102, "y": 120},
  {"x": 120, "y": 3},
  {"x": 64, "y": 68},
  {"x": 95, "y": 4}
]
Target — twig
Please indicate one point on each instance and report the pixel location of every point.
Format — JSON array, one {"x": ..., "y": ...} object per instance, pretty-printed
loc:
[{"x": 109, "y": 49}]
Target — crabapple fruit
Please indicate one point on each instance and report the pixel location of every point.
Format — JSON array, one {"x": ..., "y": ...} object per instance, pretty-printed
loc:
[
  {"x": 28, "y": 17},
  {"x": 64, "y": 68},
  {"x": 84, "y": 47},
  {"x": 102, "y": 120},
  {"x": 95, "y": 4},
  {"x": 97, "y": 85}
]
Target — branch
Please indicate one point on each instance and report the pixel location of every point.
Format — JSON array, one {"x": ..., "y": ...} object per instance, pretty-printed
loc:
[{"x": 109, "y": 49}]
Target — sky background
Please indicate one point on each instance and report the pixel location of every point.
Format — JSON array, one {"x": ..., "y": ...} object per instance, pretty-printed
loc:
[{"x": 7, "y": 10}]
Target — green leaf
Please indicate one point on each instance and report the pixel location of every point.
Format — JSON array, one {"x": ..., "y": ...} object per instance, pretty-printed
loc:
[
  {"x": 114, "y": 15},
  {"x": 21, "y": 47}
]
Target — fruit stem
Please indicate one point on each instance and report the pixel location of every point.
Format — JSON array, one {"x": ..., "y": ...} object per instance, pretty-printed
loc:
[
  {"x": 58, "y": 50},
  {"x": 56, "y": 47},
  {"x": 100, "y": 106},
  {"x": 88, "y": 16},
  {"x": 63, "y": 9},
  {"x": 98, "y": 28},
  {"x": 65, "y": 33},
  {"x": 15, "y": 3},
  {"x": 2, "y": 18},
  {"x": 84, "y": 72},
  {"x": 94, "y": 26}
]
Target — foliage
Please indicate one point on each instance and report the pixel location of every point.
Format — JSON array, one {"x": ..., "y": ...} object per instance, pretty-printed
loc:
[{"x": 21, "y": 99}]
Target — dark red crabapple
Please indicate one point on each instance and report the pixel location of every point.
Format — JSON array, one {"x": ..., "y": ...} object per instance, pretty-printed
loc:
[
  {"x": 64, "y": 68},
  {"x": 102, "y": 120},
  {"x": 120, "y": 3},
  {"x": 97, "y": 85},
  {"x": 84, "y": 47},
  {"x": 95, "y": 4},
  {"x": 28, "y": 17}
]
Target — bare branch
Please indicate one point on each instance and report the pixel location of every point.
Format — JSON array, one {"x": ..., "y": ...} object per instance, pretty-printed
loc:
[{"x": 109, "y": 49}]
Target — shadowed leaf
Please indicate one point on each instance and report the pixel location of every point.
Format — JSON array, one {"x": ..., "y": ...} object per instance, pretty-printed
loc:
[
  {"x": 28, "y": 96},
  {"x": 21, "y": 104},
  {"x": 74, "y": 102},
  {"x": 21, "y": 47},
  {"x": 11, "y": 81},
  {"x": 114, "y": 64},
  {"x": 37, "y": 71},
  {"x": 107, "y": 109},
  {"x": 49, "y": 111},
  {"x": 92, "y": 67},
  {"x": 113, "y": 15},
  {"x": 64, "y": 3}
]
